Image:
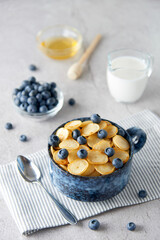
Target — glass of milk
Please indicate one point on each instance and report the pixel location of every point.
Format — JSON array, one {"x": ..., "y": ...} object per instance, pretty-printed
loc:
[{"x": 128, "y": 71}]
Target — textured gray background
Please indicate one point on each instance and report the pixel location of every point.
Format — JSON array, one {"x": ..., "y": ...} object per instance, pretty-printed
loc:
[{"x": 133, "y": 24}]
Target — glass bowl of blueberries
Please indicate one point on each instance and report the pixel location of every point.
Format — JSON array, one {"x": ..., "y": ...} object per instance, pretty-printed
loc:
[{"x": 38, "y": 100}]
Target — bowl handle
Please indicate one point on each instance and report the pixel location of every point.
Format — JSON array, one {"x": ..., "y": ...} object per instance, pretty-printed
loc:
[{"x": 138, "y": 136}]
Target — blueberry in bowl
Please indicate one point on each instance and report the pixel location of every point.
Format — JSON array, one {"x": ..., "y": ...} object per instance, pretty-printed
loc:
[{"x": 38, "y": 100}]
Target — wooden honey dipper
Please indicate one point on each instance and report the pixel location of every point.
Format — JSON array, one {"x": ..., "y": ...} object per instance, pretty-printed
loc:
[{"x": 76, "y": 69}]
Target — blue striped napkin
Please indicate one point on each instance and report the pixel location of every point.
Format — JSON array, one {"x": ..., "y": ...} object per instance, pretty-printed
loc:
[{"x": 33, "y": 210}]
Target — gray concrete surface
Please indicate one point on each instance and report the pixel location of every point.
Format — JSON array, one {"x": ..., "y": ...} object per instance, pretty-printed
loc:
[{"x": 132, "y": 24}]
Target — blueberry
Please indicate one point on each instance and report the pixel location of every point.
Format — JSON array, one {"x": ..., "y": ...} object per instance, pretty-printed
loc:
[
  {"x": 32, "y": 79},
  {"x": 32, "y": 108},
  {"x": 51, "y": 101},
  {"x": 25, "y": 83},
  {"x": 102, "y": 134},
  {"x": 76, "y": 133},
  {"x": 17, "y": 101},
  {"x": 46, "y": 94},
  {"x": 35, "y": 86},
  {"x": 53, "y": 85},
  {"x": 95, "y": 118},
  {"x": 43, "y": 109},
  {"x": 24, "y": 106},
  {"x": 19, "y": 94},
  {"x": 41, "y": 88},
  {"x": 32, "y": 67},
  {"x": 117, "y": 163},
  {"x": 63, "y": 153},
  {"x": 22, "y": 87},
  {"x": 39, "y": 97},
  {"x": 131, "y": 226},
  {"x": 109, "y": 152},
  {"x": 8, "y": 126},
  {"x": 56, "y": 102},
  {"x": 24, "y": 93},
  {"x": 46, "y": 86},
  {"x": 23, "y": 99},
  {"x": 23, "y": 138},
  {"x": 15, "y": 91},
  {"x": 54, "y": 93},
  {"x": 94, "y": 224},
  {"x": 82, "y": 153},
  {"x": 32, "y": 93},
  {"x": 142, "y": 194},
  {"x": 29, "y": 88},
  {"x": 54, "y": 140},
  {"x": 32, "y": 100},
  {"x": 81, "y": 140},
  {"x": 71, "y": 101},
  {"x": 43, "y": 102},
  {"x": 121, "y": 132},
  {"x": 50, "y": 107}
]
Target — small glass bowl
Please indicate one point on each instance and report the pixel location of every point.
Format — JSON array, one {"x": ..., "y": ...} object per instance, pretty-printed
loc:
[
  {"x": 59, "y": 32},
  {"x": 43, "y": 116}
]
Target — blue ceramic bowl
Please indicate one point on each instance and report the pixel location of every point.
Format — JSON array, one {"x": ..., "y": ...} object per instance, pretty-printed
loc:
[{"x": 102, "y": 187}]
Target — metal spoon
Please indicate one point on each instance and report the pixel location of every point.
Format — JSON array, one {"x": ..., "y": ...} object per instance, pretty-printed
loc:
[{"x": 31, "y": 173}]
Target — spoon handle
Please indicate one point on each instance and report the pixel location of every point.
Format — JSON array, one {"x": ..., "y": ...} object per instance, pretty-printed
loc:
[{"x": 64, "y": 211}]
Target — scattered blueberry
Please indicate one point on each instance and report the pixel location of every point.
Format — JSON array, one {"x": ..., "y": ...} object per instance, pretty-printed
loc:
[
  {"x": 23, "y": 138},
  {"x": 117, "y": 163},
  {"x": 81, "y": 140},
  {"x": 102, "y": 133},
  {"x": 94, "y": 224},
  {"x": 82, "y": 153},
  {"x": 43, "y": 109},
  {"x": 63, "y": 153},
  {"x": 8, "y": 126},
  {"x": 32, "y": 109},
  {"x": 54, "y": 140},
  {"x": 142, "y": 194},
  {"x": 121, "y": 132},
  {"x": 109, "y": 152},
  {"x": 76, "y": 133},
  {"x": 131, "y": 226},
  {"x": 95, "y": 118},
  {"x": 32, "y": 67},
  {"x": 71, "y": 101}
]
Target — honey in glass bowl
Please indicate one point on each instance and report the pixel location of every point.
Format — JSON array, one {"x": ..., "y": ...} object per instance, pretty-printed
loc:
[{"x": 59, "y": 42}]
